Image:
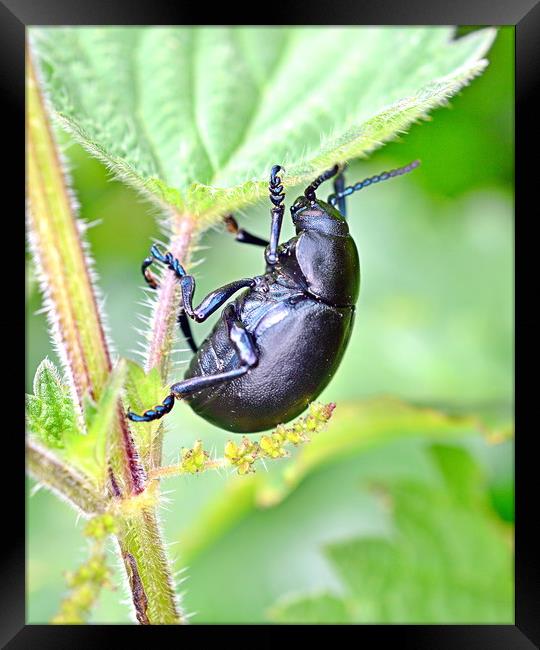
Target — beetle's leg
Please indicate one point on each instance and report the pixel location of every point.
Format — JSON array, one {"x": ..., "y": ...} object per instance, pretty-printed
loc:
[
  {"x": 155, "y": 413},
  {"x": 185, "y": 326},
  {"x": 148, "y": 275},
  {"x": 276, "y": 196},
  {"x": 245, "y": 349},
  {"x": 247, "y": 353},
  {"x": 183, "y": 389},
  {"x": 242, "y": 235},
  {"x": 214, "y": 300},
  {"x": 339, "y": 186},
  {"x": 183, "y": 320},
  {"x": 240, "y": 338}
]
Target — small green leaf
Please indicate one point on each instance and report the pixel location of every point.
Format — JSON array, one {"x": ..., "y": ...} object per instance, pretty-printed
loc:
[
  {"x": 50, "y": 412},
  {"x": 446, "y": 562},
  {"x": 195, "y": 117},
  {"x": 89, "y": 451},
  {"x": 33, "y": 411},
  {"x": 90, "y": 409}
]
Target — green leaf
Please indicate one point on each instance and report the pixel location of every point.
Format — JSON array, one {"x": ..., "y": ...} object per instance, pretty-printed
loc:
[
  {"x": 462, "y": 475},
  {"x": 352, "y": 431},
  {"x": 88, "y": 451},
  {"x": 195, "y": 117},
  {"x": 362, "y": 426},
  {"x": 50, "y": 411},
  {"x": 445, "y": 561}
]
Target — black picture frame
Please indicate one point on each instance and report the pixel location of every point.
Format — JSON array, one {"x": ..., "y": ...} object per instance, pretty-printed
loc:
[{"x": 15, "y": 16}]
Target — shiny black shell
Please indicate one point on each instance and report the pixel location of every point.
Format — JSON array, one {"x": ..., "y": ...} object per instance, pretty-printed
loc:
[{"x": 300, "y": 315}]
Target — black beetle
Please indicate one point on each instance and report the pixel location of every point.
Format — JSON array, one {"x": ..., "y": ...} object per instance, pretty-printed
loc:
[{"x": 276, "y": 347}]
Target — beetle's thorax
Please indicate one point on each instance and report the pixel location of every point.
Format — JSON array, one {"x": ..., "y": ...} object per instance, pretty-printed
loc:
[{"x": 322, "y": 258}]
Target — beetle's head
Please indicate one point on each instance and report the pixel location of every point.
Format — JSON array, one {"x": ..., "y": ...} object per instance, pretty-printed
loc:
[
  {"x": 310, "y": 213},
  {"x": 314, "y": 214}
]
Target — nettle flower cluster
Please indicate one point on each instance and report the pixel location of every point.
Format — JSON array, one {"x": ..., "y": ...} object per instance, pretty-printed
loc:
[{"x": 243, "y": 456}]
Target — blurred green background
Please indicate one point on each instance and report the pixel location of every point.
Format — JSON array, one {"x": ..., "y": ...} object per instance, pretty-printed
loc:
[{"x": 434, "y": 327}]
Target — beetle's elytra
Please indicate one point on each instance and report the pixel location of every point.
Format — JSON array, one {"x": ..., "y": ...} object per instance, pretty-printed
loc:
[{"x": 275, "y": 347}]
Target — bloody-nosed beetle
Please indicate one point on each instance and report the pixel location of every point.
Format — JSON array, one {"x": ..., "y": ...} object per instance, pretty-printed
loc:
[{"x": 278, "y": 344}]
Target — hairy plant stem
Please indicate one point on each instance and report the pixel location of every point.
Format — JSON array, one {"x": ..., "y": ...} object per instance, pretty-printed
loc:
[
  {"x": 164, "y": 319},
  {"x": 168, "y": 299},
  {"x": 81, "y": 342},
  {"x": 148, "y": 570},
  {"x": 63, "y": 480},
  {"x": 177, "y": 470}
]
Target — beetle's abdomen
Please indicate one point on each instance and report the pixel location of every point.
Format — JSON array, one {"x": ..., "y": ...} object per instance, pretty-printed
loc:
[{"x": 300, "y": 346}]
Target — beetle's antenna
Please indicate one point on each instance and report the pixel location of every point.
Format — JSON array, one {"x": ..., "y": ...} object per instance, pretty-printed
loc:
[
  {"x": 334, "y": 198},
  {"x": 309, "y": 192}
]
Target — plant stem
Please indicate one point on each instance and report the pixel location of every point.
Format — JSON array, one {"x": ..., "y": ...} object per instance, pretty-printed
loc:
[
  {"x": 59, "y": 255},
  {"x": 64, "y": 275},
  {"x": 177, "y": 470},
  {"x": 164, "y": 319},
  {"x": 65, "y": 481},
  {"x": 148, "y": 570},
  {"x": 76, "y": 323},
  {"x": 168, "y": 300}
]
